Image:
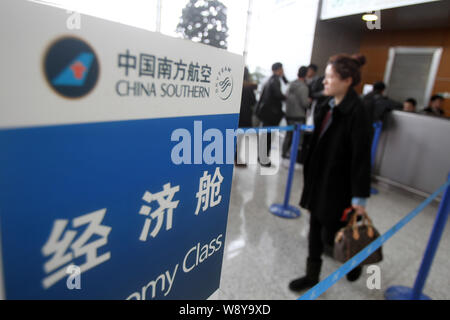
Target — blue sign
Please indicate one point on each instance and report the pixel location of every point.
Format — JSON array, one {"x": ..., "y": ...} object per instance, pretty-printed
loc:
[
  {"x": 106, "y": 199},
  {"x": 116, "y": 159}
]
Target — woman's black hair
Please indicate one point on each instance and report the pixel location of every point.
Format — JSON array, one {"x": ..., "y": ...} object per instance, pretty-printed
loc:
[{"x": 348, "y": 66}]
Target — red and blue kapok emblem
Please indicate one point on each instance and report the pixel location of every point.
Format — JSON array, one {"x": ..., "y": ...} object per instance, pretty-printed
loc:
[{"x": 71, "y": 67}]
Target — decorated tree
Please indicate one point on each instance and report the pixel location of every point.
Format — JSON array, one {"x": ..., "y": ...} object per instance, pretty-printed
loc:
[{"x": 205, "y": 21}]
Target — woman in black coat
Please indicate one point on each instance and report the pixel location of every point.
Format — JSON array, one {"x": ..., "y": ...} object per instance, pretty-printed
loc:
[
  {"x": 337, "y": 165},
  {"x": 248, "y": 101}
]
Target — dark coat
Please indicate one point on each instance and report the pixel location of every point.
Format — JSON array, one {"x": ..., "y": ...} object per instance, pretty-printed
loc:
[
  {"x": 429, "y": 111},
  {"x": 337, "y": 165},
  {"x": 316, "y": 88},
  {"x": 269, "y": 105},
  {"x": 378, "y": 106},
  {"x": 248, "y": 101}
]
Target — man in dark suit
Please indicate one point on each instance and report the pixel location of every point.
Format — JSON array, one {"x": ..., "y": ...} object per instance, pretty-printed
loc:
[{"x": 269, "y": 106}]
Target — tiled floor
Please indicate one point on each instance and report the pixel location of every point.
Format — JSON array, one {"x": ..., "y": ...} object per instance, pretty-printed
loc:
[{"x": 264, "y": 252}]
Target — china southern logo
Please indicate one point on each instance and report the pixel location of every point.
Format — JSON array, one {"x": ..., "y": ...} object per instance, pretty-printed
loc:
[
  {"x": 224, "y": 83},
  {"x": 71, "y": 67}
]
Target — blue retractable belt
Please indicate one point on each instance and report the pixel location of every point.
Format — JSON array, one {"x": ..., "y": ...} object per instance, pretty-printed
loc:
[{"x": 405, "y": 293}]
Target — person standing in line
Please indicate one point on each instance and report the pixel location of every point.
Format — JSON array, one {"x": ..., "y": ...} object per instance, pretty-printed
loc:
[
  {"x": 311, "y": 74},
  {"x": 248, "y": 101},
  {"x": 269, "y": 106},
  {"x": 297, "y": 103},
  {"x": 409, "y": 105},
  {"x": 370, "y": 99},
  {"x": 435, "y": 107},
  {"x": 378, "y": 106},
  {"x": 337, "y": 165},
  {"x": 316, "y": 93},
  {"x": 314, "y": 82}
]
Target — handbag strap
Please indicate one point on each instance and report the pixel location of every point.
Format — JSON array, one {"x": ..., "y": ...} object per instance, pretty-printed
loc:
[
  {"x": 354, "y": 225},
  {"x": 366, "y": 221}
]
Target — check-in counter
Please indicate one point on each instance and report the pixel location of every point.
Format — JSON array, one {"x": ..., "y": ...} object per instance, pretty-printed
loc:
[{"x": 414, "y": 152}]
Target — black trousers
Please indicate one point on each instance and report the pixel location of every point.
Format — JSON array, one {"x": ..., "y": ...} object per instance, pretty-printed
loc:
[
  {"x": 321, "y": 235},
  {"x": 306, "y": 139},
  {"x": 267, "y": 123},
  {"x": 287, "y": 143}
]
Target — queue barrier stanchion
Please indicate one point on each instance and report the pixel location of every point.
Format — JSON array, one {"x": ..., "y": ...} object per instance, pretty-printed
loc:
[
  {"x": 378, "y": 126},
  {"x": 415, "y": 293},
  {"x": 285, "y": 210}
]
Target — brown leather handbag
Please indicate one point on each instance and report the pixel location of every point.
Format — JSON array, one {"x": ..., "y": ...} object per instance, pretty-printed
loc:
[{"x": 354, "y": 237}]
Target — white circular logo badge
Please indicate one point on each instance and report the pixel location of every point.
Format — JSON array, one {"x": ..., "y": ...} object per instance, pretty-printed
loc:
[{"x": 224, "y": 83}]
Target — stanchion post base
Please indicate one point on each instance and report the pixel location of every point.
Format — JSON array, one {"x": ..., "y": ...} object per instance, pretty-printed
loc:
[
  {"x": 288, "y": 212},
  {"x": 402, "y": 293}
]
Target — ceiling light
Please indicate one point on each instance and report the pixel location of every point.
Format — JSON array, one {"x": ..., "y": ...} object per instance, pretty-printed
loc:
[{"x": 370, "y": 17}]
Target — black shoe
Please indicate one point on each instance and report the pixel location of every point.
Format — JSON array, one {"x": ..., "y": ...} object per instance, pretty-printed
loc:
[
  {"x": 240, "y": 165},
  {"x": 354, "y": 274},
  {"x": 302, "y": 284},
  {"x": 311, "y": 278}
]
